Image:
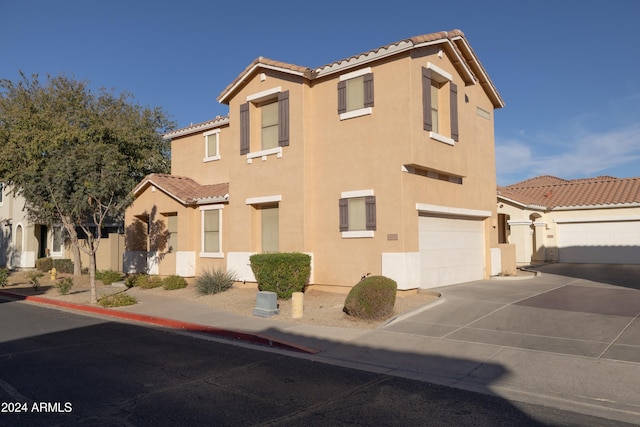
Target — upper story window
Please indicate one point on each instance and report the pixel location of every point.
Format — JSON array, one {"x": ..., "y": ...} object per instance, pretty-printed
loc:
[
  {"x": 355, "y": 94},
  {"x": 439, "y": 95},
  {"x": 357, "y": 214},
  {"x": 212, "y": 145},
  {"x": 270, "y": 111}
]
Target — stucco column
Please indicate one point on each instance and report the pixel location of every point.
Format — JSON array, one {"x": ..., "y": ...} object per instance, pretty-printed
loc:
[
  {"x": 521, "y": 237},
  {"x": 539, "y": 254}
]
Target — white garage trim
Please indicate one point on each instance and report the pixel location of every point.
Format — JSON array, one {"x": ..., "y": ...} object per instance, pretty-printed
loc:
[{"x": 445, "y": 210}]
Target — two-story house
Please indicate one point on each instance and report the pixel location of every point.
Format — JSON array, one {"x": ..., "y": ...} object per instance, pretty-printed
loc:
[{"x": 380, "y": 163}]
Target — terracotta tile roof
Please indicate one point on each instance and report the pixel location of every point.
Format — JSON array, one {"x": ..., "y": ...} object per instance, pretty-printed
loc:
[
  {"x": 185, "y": 190},
  {"x": 456, "y": 44},
  {"x": 548, "y": 192},
  {"x": 198, "y": 127}
]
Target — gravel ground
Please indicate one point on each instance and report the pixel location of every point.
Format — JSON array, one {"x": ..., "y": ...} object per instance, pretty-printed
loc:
[{"x": 320, "y": 307}]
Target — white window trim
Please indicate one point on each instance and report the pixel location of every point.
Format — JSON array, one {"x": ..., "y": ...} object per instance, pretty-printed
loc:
[
  {"x": 361, "y": 111},
  {"x": 442, "y": 138},
  {"x": 264, "y": 95},
  {"x": 264, "y": 153},
  {"x": 264, "y": 199},
  {"x": 204, "y": 254},
  {"x": 359, "y": 233},
  {"x": 356, "y": 113},
  {"x": 60, "y": 253},
  {"x": 357, "y": 193},
  {"x": 434, "y": 135},
  {"x": 354, "y": 74},
  {"x": 207, "y": 157}
]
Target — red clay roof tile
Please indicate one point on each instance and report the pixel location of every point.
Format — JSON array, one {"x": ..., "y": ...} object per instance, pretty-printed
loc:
[{"x": 186, "y": 190}]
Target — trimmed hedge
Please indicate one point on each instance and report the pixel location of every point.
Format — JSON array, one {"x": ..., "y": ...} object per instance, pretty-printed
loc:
[
  {"x": 282, "y": 273},
  {"x": 172, "y": 282},
  {"x": 372, "y": 299},
  {"x": 62, "y": 265}
]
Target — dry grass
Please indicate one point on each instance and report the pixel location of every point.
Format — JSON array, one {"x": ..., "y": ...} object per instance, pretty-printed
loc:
[{"x": 320, "y": 307}]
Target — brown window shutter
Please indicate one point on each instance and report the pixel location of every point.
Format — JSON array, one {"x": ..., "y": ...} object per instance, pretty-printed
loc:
[
  {"x": 342, "y": 97},
  {"x": 426, "y": 99},
  {"x": 244, "y": 128},
  {"x": 368, "y": 90},
  {"x": 283, "y": 119},
  {"x": 343, "y": 205},
  {"x": 454, "y": 111},
  {"x": 370, "y": 207}
]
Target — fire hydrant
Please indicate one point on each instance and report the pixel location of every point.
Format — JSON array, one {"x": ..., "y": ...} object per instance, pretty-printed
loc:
[{"x": 53, "y": 273}]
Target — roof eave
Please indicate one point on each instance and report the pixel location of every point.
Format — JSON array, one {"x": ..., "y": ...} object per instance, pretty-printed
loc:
[
  {"x": 600, "y": 206},
  {"x": 198, "y": 127}
]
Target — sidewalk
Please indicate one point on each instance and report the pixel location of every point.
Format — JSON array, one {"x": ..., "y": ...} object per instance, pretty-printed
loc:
[{"x": 553, "y": 340}]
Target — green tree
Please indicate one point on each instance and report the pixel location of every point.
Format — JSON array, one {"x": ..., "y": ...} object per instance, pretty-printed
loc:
[{"x": 75, "y": 154}]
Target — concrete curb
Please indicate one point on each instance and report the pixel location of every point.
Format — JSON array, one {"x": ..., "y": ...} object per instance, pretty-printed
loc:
[{"x": 168, "y": 323}]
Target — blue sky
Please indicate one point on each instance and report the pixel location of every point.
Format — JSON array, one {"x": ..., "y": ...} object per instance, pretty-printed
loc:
[{"x": 568, "y": 71}]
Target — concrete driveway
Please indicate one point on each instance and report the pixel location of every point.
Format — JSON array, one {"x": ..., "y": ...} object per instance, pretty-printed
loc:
[{"x": 575, "y": 309}]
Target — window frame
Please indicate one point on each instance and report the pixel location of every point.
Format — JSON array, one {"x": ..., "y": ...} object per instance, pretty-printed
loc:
[
  {"x": 370, "y": 214},
  {"x": 203, "y": 210},
  {"x": 435, "y": 77},
  {"x": 257, "y": 100},
  {"x": 172, "y": 235},
  {"x": 208, "y": 157},
  {"x": 60, "y": 252},
  {"x": 368, "y": 94}
]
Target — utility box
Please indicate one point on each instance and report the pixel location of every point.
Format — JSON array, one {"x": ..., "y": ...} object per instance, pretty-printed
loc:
[{"x": 266, "y": 304}]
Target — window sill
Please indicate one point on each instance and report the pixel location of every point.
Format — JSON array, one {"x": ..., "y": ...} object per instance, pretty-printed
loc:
[
  {"x": 441, "y": 138},
  {"x": 356, "y": 113},
  {"x": 264, "y": 153},
  {"x": 357, "y": 234},
  {"x": 211, "y": 255},
  {"x": 210, "y": 159}
]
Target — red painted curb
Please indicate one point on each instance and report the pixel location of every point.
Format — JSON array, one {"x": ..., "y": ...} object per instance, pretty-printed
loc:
[{"x": 168, "y": 323}]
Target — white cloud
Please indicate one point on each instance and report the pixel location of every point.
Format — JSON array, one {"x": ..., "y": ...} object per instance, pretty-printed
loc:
[{"x": 581, "y": 155}]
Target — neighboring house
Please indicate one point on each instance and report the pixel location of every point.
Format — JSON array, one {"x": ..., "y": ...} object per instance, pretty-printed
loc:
[
  {"x": 22, "y": 241},
  {"x": 380, "y": 163},
  {"x": 591, "y": 220}
]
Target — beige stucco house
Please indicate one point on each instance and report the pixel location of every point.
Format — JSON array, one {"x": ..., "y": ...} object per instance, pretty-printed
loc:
[
  {"x": 379, "y": 163},
  {"x": 591, "y": 220},
  {"x": 23, "y": 241}
]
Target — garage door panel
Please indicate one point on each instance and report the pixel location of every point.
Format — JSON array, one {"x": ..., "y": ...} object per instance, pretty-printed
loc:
[
  {"x": 606, "y": 242},
  {"x": 451, "y": 250}
]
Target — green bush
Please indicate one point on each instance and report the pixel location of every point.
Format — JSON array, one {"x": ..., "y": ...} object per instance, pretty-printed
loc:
[
  {"x": 148, "y": 282},
  {"x": 117, "y": 300},
  {"x": 214, "y": 281},
  {"x": 173, "y": 282},
  {"x": 64, "y": 284},
  {"x": 4, "y": 276},
  {"x": 34, "y": 278},
  {"x": 131, "y": 279},
  {"x": 62, "y": 265},
  {"x": 44, "y": 264},
  {"x": 108, "y": 276},
  {"x": 282, "y": 273},
  {"x": 372, "y": 299}
]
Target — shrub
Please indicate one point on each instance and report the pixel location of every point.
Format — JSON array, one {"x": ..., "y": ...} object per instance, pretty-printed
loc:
[
  {"x": 214, "y": 281},
  {"x": 148, "y": 282},
  {"x": 372, "y": 299},
  {"x": 4, "y": 276},
  {"x": 62, "y": 265},
  {"x": 108, "y": 276},
  {"x": 44, "y": 264},
  {"x": 117, "y": 300},
  {"x": 131, "y": 279},
  {"x": 64, "y": 284},
  {"x": 34, "y": 278},
  {"x": 174, "y": 282},
  {"x": 282, "y": 273}
]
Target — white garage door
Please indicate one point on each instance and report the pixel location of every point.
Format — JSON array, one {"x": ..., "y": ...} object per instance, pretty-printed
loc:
[
  {"x": 611, "y": 242},
  {"x": 451, "y": 250}
]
